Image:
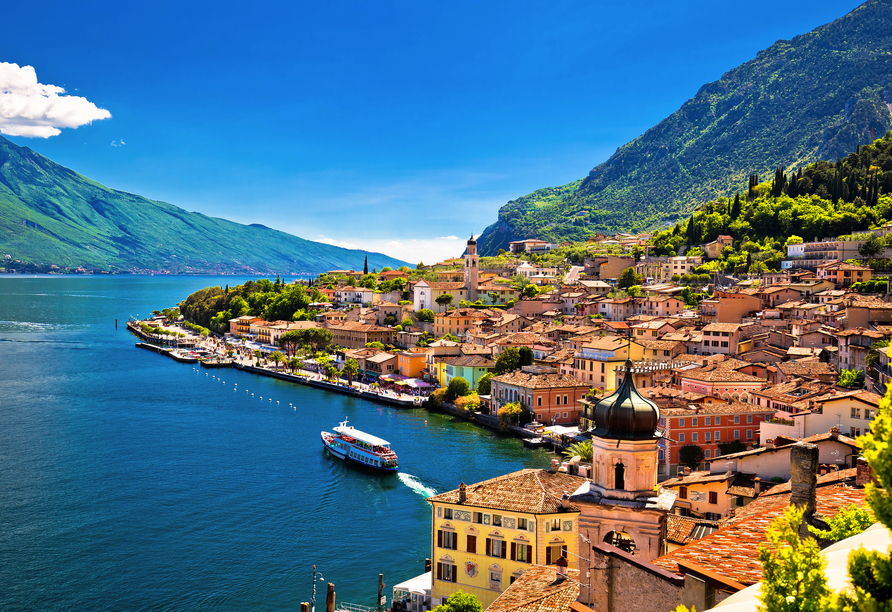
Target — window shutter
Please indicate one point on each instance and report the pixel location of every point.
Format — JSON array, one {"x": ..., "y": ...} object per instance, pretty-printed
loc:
[
  {"x": 454, "y": 541},
  {"x": 472, "y": 544},
  {"x": 439, "y": 538},
  {"x": 504, "y": 550},
  {"x": 454, "y": 573},
  {"x": 488, "y": 547},
  {"x": 548, "y": 555},
  {"x": 439, "y": 571},
  {"x": 514, "y": 551},
  {"x": 529, "y": 553}
]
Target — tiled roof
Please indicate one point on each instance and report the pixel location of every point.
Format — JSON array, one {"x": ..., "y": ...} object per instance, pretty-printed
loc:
[
  {"x": 519, "y": 338},
  {"x": 733, "y": 551},
  {"x": 539, "y": 590},
  {"x": 539, "y": 381},
  {"x": 851, "y": 442},
  {"x": 720, "y": 375},
  {"x": 470, "y": 361},
  {"x": 806, "y": 368},
  {"x": 731, "y": 407},
  {"x": 664, "y": 345},
  {"x": 354, "y": 326},
  {"x": 722, "y": 327},
  {"x": 865, "y": 396},
  {"x": 531, "y": 491},
  {"x": 823, "y": 481},
  {"x": 702, "y": 477},
  {"x": 686, "y": 529}
]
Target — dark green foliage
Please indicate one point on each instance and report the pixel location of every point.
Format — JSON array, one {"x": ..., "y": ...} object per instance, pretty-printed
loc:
[
  {"x": 526, "y": 356},
  {"x": 52, "y": 215},
  {"x": 484, "y": 385},
  {"x": 628, "y": 278},
  {"x": 425, "y": 315},
  {"x": 691, "y": 455},
  {"x": 817, "y": 96},
  {"x": 729, "y": 448},
  {"x": 458, "y": 387},
  {"x": 508, "y": 361}
]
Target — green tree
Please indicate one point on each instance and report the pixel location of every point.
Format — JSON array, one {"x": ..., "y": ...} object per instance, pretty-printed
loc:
[
  {"x": 793, "y": 577},
  {"x": 851, "y": 379},
  {"x": 484, "y": 385},
  {"x": 629, "y": 277},
  {"x": 444, "y": 300},
  {"x": 350, "y": 369},
  {"x": 530, "y": 291},
  {"x": 847, "y": 522},
  {"x": 460, "y": 602},
  {"x": 583, "y": 450},
  {"x": 425, "y": 315},
  {"x": 729, "y": 448},
  {"x": 407, "y": 323},
  {"x": 871, "y": 248},
  {"x": 873, "y": 354},
  {"x": 365, "y": 266},
  {"x": 526, "y": 356},
  {"x": 507, "y": 413},
  {"x": 458, "y": 387},
  {"x": 376, "y": 345},
  {"x": 293, "y": 363},
  {"x": 691, "y": 455},
  {"x": 508, "y": 361},
  {"x": 258, "y": 356},
  {"x": 276, "y": 357},
  {"x": 634, "y": 291}
]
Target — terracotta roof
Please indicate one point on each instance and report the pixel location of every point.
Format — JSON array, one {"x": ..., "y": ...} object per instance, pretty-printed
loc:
[
  {"x": 720, "y": 375},
  {"x": 693, "y": 478},
  {"x": 722, "y": 327},
  {"x": 806, "y": 368},
  {"x": 850, "y": 442},
  {"x": 665, "y": 345},
  {"x": 519, "y": 338},
  {"x": 354, "y": 326},
  {"x": 539, "y": 381},
  {"x": 539, "y": 590},
  {"x": 865, "y": 396},
  {"x": 733, "y": 551},
  {"x": 686, "y": 529},
  {"x": 730, "y": 407},
  {"x": 531, "y": 491},
  {"x": 470, "y": 361},
  {"x": 823, "y": 481}
]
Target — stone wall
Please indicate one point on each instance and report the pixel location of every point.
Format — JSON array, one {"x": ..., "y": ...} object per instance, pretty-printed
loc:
[{"x": 623, "y": 583}]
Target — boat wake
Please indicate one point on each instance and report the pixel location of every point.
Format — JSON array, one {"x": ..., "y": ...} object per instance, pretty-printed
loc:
[{"x": 416, "y": 485}]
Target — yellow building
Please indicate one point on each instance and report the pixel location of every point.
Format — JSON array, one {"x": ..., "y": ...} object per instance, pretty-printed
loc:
[
  {"x": 485, "y": 535},
  {"x": 412, "y": 362}
]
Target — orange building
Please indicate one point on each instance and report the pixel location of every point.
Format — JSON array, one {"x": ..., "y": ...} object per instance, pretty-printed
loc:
[{"x": 411, "y": 363}]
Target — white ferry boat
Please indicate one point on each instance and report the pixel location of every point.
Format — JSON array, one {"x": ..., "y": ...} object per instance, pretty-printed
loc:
[{"x": 354, "y": 446}]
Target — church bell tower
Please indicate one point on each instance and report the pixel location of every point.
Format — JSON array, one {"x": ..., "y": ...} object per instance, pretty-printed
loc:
[{"x": 471, "y": 269}]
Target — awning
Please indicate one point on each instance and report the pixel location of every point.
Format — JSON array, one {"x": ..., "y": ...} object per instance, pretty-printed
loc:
[{"x": 419, "y": 584}]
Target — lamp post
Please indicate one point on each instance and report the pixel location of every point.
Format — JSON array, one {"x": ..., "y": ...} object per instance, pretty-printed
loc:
[{"x": 321, "y": 579}]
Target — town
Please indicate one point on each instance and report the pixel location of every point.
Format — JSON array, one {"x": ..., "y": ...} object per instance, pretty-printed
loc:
[{"x": 692, "y": 409}]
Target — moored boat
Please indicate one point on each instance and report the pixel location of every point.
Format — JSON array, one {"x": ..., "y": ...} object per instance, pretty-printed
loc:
[{"x": 354, "y": 446}]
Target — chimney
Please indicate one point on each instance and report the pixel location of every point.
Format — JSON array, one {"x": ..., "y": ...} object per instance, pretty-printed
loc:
[
  {"x": 769, "y": 443},
  {"x": 757, "y": 485},
  {"x": 462, "y": 493},
  {"x": 562, "y": 564},
  {"x": 687, "y": 471},
  {"x": 863, "y": 473},
  {"x": 565, "y": 500},
  {"x": 804, "y": 477},
  {"x": 834, "y": 432},
  {"x": 555, "y": 464}
]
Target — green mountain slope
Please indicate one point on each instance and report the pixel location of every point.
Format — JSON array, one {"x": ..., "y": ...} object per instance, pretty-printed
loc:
[
  {"x": 817, "y": 96},
  {"x": 52, "y": 215}
]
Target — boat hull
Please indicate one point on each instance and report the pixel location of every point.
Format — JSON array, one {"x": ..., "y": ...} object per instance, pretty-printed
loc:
[{"x": 330, "y": 443}]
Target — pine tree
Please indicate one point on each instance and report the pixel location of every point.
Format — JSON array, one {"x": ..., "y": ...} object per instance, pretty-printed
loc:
[
  {"x": 735, "y": 207},
  {"x": 365, "y": 266}
]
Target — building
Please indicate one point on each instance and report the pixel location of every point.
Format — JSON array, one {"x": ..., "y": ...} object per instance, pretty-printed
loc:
[
  {"x": 721, "y": 338},
  {"x": 470, "y": 367},
  {"x": 810, "y": 255},
  {"x": 485, "y": 535},
  {"x": 425, "y": 294},
  {"x": 851, "y": 413},
  {"x": 844, "y": 274},
  {"x": 551, "y": 397},
  {"x": 531, "y": 245},
  {"x": 350, "y": 334},
  {"x": 471, "y": 270},
  {"x": 457, "y": 322},
  {"x": 595, "y": 362},
  {"x": 412, "y": 363},
  {"x": 714, "y": 249}
]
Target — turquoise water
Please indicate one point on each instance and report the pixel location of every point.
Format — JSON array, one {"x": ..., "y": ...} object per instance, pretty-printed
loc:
[{"x": 131, "y": 482}]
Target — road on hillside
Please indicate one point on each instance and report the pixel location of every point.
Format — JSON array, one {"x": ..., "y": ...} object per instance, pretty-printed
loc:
[{"x": 573, "y": 274}]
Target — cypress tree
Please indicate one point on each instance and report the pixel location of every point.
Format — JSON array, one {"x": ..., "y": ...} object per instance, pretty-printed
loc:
[
  {"x": 365, "y": 266},
  {"x": 735, "y": 207}
]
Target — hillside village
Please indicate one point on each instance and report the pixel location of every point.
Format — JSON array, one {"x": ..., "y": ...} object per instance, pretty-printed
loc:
[{"x": 695, "y": 391}]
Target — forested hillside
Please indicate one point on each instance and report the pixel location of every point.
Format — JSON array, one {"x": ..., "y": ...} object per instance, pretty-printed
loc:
[{"x": 815, "y": 97}]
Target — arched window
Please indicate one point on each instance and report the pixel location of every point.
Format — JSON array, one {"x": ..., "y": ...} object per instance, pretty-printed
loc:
[
  {"x": 619, "y": 476},
  {"x": 621, "y": 540}
]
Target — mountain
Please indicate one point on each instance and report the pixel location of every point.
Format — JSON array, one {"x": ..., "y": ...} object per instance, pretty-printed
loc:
[
  {"x": 50, "y": 215},
  {"x": 817, "y": 96}
]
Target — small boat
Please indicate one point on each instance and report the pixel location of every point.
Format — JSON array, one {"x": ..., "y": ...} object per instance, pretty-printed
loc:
[
  {"x": 535, "y": 442},
  {"x": 354, "y": 446}
]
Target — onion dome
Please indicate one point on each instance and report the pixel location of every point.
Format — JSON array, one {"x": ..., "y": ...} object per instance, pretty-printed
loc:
[
  {"x": 471, "y": 240},
  {"x": 625, "y": 413}
]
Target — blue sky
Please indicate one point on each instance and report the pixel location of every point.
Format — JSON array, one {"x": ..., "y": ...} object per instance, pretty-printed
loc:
[{"x": 392, "y": 126}]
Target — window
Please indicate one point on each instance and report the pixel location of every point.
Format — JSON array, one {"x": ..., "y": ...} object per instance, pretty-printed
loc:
[
  {"x": 856, "y": 413},
  {"x": 447, "y": 539},
  {"x": 736, "y": 434},
  {"x": 694, "y": 422},
  {"x": 681, "y": 437},
  {"x": 707, "y": 436},
  {"x": 713, "y": 497},
  {"x": 713, "y": 516},
  {"x": 684, "y": 511},
  {"x": 682, "y": 492},
  {"x": 749, "y": 418},
  {"x": 854, "y": 431},
  {"x": 539, "y": 401},
  {"x": 472, "y": 544},
  {"x": 553, "y": 553},
  {"x": 555, "y": 524},
  {"x": 565, "y": 415},
  {"x": 477, "y": 517},
  {"x": 718, "y": 436},
  {"x": 446, "y": 572},
  {"x": 707, "y": 453},
  {"x": 447, "y": 513},
  {"x": 521, "y": 552},
  {"x": 694, "y": 436},
  {"x": 495, "y": 579},
  {"x": 497, "y": 520},
  {"x": 749, "y": 434},
  {"x": 495, "y": 548},
  {"x": 681, "y": 422},
  {"x": 708, "y": 421},
  {"x": 736, "y": 419},
  {"x": 522, "y": 524},
  {"x": 716, "y": 421}
]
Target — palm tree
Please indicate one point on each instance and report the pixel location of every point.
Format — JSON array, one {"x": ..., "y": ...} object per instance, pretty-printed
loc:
[
  {"x": 258, "y": 355},
  {"x": 351, "y": 369},
  {"x": 276, "y": 356},
  {"x": 583, "y": 450},
  {"x": 873, "y": 355},
  {"x": 293, "y": 363}
]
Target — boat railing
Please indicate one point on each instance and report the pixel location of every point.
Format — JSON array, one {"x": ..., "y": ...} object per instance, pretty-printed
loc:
[{"x": 349, "y": 607}]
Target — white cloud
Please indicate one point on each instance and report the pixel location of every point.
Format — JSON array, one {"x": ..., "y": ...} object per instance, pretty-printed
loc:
[
  {"x": 447, "y": 237},
  {"x": 428, "y": 250},
  {"x": 30, "y": 108},
  {"x": 326, "y": 240},
  {"x": 115, "y": 143}
]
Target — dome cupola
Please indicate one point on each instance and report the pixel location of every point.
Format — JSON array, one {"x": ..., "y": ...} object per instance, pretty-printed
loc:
[{"x": 625, "y": 413}]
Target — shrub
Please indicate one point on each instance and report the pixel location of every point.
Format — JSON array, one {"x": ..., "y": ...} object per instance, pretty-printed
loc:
[{"x": 458, "y": 387}]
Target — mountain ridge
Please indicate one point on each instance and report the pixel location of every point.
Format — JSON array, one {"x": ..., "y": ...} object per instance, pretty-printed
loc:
[
  {"x": 816, "y": 96},
  {"x": 52, "y": 215}
]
